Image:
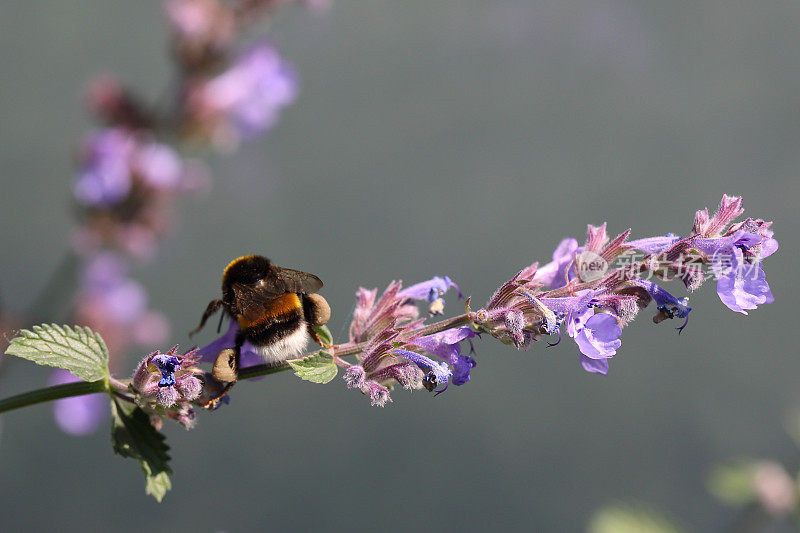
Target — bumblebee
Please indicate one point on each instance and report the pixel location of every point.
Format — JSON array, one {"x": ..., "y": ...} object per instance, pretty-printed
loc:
[{"x": 275, "y": 309}]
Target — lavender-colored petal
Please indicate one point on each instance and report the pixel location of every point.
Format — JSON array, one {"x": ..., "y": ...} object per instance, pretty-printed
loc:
[
  {"x": 461, "y": 369},
  {"x": 570, "y": 304},
  {"x": 742, "y": 286},
  {"x": 723, "y": 245},
  {"x": 553, "y": 273},
  {"x": 595, "y": 366},
  {"x": 769, "y": 247},
  {"x": 576, "y": 320},
  {"x": 80, "y": 415},
  {"x": 445, "y": 345},
  {"x": 429, "y": 290},
  {"x": 599, "y": 338}
]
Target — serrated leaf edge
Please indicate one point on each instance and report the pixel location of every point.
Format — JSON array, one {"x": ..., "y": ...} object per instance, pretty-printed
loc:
[{"x": 92, "y": 366}]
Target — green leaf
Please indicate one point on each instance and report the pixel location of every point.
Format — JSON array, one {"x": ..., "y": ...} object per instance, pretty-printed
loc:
[
  {"x": 132, "y": 435},
  {"x": 317, "y": 368},
  {"x": 630, "y": 519},
  {"x": 324, "y": 334},
  {"x": 732, "y": 482},
  {"x": 79, "y": 350}
]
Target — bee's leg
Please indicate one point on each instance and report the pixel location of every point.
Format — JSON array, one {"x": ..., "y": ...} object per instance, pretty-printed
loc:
[
  {"x": 226, "y": 370},
  {"x": 213, "y": 307},
  {"x": 317, "y": 313}
]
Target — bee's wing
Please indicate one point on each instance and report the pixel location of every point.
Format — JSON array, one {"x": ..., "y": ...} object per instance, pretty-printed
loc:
[
  {"x": 288, "y": 280},
  {"x": 253, "y": 302}
]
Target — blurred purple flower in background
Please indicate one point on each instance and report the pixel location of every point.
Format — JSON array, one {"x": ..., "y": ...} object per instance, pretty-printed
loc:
[
  {"x": 105, "y": 175},
  {"x": 246, "y": 99},
  {"x": 80, "y": 415},
  {"x": 116, "y": 305}
]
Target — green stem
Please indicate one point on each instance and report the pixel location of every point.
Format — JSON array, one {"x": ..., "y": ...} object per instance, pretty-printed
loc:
[
  {"x": 56, "y": 392},
  {"x": 80, "y": 388}
]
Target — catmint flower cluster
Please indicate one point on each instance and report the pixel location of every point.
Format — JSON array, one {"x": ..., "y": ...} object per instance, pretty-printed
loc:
[
  {"x": 587, "y": 292},
  {"x": 583, "y": 292},
  {"x": 165, "y": 384},
  {"x": 397, "y": 351}
]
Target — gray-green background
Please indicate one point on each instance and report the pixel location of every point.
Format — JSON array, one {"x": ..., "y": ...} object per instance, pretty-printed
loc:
[{"x": 430, "y": 138}]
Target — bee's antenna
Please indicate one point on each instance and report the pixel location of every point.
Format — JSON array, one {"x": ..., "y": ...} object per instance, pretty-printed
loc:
[
  {"x": 219, "y": 326},
  {"x": 213, "y": 307}
]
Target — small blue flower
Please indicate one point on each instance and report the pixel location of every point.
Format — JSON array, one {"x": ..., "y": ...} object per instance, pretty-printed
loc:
[
  {"x": 432, "y": 291},
  {"x": 437, "y": 373},
  {"x": 668, "y": 305},
  {"x": 167, "y": 365},
  {"x": 461, "y": 369},
  {"x": 446, "y": 345}
]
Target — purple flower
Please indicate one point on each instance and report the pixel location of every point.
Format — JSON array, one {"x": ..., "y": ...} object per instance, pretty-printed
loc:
[
  {"x": 461, "y": 369},
  {"x": 736, "y": 262},
  {"x": 167, "y": 379},
  {"x": 446, "y": 345},
  {"x": 667, "y": 305},
  {"x": 597, "y": 337},
  {"x": 554, "y": 273},
  {"x": 159, "y": 166},
  {"x": 80, "y": 415},
  {"x": 432, "y": 291},
  {"x": 370, "y": 318},
  {"x": 251, "y": 94},
  {"x": 437, "y": 373},
  {"x": 105, "y": 175},
  {"x": 741, "y": 285},
  {"x": 115, "y": 305},
  {"x": 378, "y": 366},
  {"x": 736, "y": 253}
]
